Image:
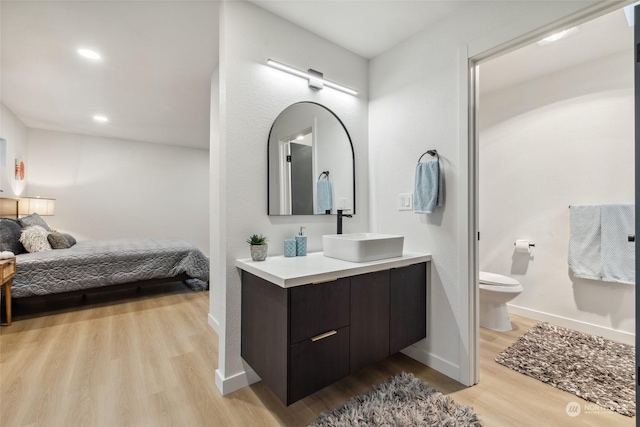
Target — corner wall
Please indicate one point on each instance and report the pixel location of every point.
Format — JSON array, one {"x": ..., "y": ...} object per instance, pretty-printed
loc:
[
  {"x": 108, "y": 188},
  {"x": 252, "y": 95},
  {"x": 15, "y": 132},
  {"x": 561, "y": 139}
]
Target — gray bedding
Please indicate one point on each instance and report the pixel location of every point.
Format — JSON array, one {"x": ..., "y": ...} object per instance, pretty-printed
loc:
[{"x": 96, "y": 263}]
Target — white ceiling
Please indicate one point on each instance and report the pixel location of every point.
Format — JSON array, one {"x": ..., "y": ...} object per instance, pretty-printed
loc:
[
  {"x": 606, "y": 35},
  {"x": 154, "y": 81},
  {"x": 365, "y": 27}
]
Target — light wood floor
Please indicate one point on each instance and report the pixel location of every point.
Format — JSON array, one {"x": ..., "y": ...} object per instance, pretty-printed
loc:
[{"x": 149, "y": 360}]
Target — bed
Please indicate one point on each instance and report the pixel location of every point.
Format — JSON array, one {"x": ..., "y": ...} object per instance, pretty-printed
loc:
[{"x": 97, "y": 264}]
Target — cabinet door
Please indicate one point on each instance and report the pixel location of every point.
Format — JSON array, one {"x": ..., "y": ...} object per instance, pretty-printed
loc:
[
  {"x": 408, "y": 306},
  {"x": 316, "y": 309},
  {"x": 264, "y": 335},
  {"x": 317, "y": 363},
  {"x": 369, "y": 319}
]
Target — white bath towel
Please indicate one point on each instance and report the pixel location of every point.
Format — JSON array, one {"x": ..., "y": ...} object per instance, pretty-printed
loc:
[
  {"x": 585, "y": 260},
  {"x": 618, "y": 254}
]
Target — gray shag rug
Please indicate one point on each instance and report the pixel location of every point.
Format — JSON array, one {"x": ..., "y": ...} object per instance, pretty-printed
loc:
[
  {"x": 591, "y": 367},
  {"x": 402, "y": 400}
]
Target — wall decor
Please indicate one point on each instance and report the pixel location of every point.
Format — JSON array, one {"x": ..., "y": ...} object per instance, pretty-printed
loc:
[{"x": 20, "y": 170}]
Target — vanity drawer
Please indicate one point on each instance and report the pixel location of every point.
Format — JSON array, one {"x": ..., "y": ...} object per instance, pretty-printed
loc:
[
  {"x": 316, "y": 364},
  {"x": 315, "y": 309}
]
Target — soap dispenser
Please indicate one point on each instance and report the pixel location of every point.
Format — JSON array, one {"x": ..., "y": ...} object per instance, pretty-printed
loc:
[{"x": 301, "y": 243}]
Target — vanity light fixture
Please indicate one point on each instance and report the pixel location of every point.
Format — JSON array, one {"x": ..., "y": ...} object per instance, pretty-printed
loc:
[
  {"x": 315, "y": 78},
  {"x": 89, "y": 54},
  {"x": 101, "y": 119}
]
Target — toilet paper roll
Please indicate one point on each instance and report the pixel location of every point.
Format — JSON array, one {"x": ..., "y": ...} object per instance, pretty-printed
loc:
[{"x": 522, "y": 246}]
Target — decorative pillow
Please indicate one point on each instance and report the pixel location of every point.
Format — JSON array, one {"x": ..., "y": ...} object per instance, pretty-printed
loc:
[
  {"x": 33, "y": 219},
  {"x": 58, "y": 241},
  {"x": 34, "y": 239},
  {"x": 10, "y": 236},
  {"x": 70, "y": 239}
]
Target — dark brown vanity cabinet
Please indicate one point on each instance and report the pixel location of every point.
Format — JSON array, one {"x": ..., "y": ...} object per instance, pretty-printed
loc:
[
  {"x": 303, "y": 338},
  {"x": 369, "y": 319},
  {"x": 407, "y": 306}
]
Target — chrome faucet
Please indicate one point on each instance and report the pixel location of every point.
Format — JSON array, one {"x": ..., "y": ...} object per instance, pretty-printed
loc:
[{"x": 340, "y": 216}]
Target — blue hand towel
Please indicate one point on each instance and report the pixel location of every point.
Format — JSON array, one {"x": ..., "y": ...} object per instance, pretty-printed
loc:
[
  {"x": 427, "y": 193},
  {"x": 323, "y": 192}
]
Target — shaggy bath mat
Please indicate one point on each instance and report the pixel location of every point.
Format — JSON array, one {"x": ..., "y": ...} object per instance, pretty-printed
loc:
[
  {"x": 593, "y": 368},
  {"x": 401, "y": 401}
]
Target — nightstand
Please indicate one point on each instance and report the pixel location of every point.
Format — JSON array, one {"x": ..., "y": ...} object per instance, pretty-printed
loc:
[{"x": 7, "y": 271}]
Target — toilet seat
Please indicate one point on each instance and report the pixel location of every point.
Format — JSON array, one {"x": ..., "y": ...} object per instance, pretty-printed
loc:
[{"x": 497, "y": 280}]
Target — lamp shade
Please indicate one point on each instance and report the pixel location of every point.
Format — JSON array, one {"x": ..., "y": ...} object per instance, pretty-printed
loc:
[
  {"x": 8, "y": 208},
  {"x": 39, "y": 205}
]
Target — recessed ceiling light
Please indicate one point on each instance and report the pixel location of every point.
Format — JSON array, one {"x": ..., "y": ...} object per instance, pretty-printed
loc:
[
  {"x": 89, "y": 54},
  {"x": 557, "y": 36},
  {"x": 101, "y": 119}
]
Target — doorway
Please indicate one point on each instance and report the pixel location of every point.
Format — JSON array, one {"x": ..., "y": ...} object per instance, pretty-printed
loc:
[{"x": 535, "y": 164}]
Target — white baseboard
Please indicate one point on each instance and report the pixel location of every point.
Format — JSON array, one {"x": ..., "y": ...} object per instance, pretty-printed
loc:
[
  {"x": 589, "y": 328},
  {"x": 237, "y": 381},
  {"x": 431, "y": 360},
  {"x": 214, "y": 323}
]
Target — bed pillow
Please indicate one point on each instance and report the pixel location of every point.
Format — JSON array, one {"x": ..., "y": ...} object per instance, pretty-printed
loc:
[
  {"x": 10, "y": 236},
  {"x": 70, "y": 239},
  {"x": 34, "y": 239},
  {"x": 33, "y": 219},
  {"x": 58, "y": 241}
]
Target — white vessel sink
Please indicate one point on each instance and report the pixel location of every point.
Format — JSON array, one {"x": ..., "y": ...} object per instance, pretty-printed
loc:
[{"x": 362, "y": 247}]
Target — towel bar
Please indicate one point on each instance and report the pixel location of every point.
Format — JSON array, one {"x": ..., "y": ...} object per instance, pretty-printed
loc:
[{"x": 431, "y": 153}]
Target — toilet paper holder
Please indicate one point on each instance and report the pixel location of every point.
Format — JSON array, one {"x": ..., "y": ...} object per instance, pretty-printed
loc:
[{"x": 531, "y": 245}]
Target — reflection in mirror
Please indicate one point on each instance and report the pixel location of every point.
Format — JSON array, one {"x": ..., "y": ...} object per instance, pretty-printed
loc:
[{"x": 311, "y": 162}]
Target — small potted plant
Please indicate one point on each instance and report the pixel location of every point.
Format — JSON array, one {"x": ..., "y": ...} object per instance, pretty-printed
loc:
[{"x": 258, "y": 247}]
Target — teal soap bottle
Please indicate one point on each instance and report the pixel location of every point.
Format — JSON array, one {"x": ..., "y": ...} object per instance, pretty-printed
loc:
[{"x": 301, "y": 243}]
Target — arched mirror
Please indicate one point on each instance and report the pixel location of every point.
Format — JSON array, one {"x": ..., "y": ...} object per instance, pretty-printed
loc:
[{"x": 310, "y": 163}]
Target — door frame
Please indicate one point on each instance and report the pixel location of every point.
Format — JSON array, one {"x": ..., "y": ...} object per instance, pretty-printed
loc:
[{"x": 470, "y": 57}]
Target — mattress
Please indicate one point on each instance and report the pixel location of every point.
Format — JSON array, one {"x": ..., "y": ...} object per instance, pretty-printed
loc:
[{"x": 97, "y": 263}]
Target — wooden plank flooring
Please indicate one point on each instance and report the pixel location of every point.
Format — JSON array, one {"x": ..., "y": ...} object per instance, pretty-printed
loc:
[{"x": 149, "y": 359}]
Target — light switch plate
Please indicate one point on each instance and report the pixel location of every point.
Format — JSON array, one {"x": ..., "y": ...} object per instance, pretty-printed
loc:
[{"x": 405, "y": 201}]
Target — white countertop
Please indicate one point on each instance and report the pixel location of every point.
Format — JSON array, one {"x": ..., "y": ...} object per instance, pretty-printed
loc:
[{"x": 315, "y": 267}]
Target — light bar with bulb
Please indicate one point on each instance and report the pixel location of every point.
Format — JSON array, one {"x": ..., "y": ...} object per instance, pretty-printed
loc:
[{"x": 311, "y": 77}]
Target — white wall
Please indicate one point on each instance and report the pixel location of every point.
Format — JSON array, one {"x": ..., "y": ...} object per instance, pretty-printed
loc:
[
  {"x": 252, "y": 95},
  {"x": 418, "y": 101},
  {"x": 108, "y": 188},
  {"x": 15, "y": 132},
  {"x": 561, "y": 139}
]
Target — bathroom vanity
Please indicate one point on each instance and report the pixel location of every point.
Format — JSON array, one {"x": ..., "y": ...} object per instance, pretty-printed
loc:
[{"x": 310, "y": 321}]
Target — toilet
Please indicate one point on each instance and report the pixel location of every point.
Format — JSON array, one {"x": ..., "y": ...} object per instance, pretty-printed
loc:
[{"x": 495, "y": 291}]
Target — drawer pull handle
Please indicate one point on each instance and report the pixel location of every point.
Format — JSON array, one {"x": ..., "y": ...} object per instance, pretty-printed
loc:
[{"x": 323, "y": 336}]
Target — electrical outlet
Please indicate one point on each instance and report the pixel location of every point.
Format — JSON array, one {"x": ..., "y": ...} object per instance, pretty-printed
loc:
[{"x": 405, "y": 201}]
